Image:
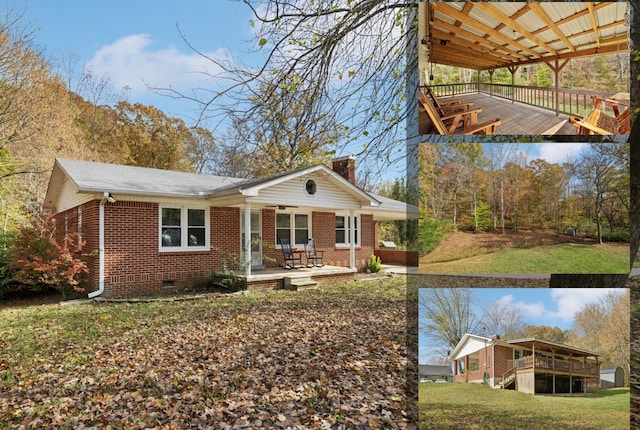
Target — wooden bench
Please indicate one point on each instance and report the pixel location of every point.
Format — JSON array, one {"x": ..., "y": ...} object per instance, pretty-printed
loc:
[
  {"x": 598, "y": 122},
  {"x": 463, "y": 122}
]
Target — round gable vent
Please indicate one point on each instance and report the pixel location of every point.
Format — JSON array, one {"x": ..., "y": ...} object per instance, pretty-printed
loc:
[{"x": 310, "y": 187}]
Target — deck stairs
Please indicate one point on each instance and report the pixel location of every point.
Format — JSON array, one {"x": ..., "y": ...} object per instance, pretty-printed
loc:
[
  {"x": 508, "y": 378},
  {"x": 297, "y": 283}
]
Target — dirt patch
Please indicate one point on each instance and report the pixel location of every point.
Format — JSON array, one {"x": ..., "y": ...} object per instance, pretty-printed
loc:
[
  {"x": 14, "y": 300},
  {"x": 464, "y": 245}
]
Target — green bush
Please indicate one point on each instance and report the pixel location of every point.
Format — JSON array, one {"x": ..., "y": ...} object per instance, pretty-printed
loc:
[
  {"x": 616, "y": 236},
  {"x": 375, "y": 264},
  {"x": 6, "y": 273},
  {"x": 430, "y": 233}
]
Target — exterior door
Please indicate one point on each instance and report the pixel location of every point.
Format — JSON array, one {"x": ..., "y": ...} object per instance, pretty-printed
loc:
[{"x": 256, "y": 239}]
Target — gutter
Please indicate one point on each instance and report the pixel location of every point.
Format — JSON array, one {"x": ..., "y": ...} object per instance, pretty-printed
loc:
[{"x": 105, "y": 197}]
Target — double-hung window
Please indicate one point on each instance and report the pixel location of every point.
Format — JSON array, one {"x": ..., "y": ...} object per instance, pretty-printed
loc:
[
  {"x": 343, "y": 230},
  {"x": 184, "y": 229},
  {"x": 292, "y": 226}
]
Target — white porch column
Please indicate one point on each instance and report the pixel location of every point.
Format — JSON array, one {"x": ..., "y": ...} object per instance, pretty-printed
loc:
[
  {"x": 246, "y": 251},
  {"x": 352, "y": 240}
]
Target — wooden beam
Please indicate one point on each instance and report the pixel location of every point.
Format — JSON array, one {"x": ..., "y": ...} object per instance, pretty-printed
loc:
[
  {"x": 508, "y": 21},
  {"x": 539, "y": 10},
  {"x": 594, "y": 23},
  {"x": 454, "y": 13},
  {"x": 481, "y": 40}
]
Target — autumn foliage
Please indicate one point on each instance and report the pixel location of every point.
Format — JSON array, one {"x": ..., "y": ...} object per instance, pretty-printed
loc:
[{"x": 36, "y": 260}]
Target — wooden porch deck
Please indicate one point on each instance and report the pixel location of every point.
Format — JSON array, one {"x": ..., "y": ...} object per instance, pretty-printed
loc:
[{"x": 517, "y": 118}]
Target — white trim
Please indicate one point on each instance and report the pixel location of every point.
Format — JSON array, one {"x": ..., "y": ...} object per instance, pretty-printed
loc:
[
  {"x": 348, "y": 229},
  {"x": 184, "y": 247}
]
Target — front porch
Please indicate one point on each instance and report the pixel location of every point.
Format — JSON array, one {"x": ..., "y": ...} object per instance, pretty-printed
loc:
[{"x": 274, "y": 278}]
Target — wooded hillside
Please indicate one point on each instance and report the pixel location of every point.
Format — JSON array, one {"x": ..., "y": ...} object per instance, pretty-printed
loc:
[{"x": 475, "y": 187}]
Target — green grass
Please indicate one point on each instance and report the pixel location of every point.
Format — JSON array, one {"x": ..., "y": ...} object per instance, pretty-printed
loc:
[
  {"x": 563, "y": 258},
  {"x": 474, "y": 406}
]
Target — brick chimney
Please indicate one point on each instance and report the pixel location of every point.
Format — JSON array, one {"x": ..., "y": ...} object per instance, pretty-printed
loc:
[
  {"x": 495, "y": 337},
  {"x": 346, "y": 167}
]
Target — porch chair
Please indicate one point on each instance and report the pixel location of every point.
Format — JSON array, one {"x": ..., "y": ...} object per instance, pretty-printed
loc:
[
  {"x": 450, "y": 106},
  {"x": 290, "y": 257},
  {"x": 312, "y": 254},
  {"x": 600, "y": 123},
  {"x": 465, "y": 122}
]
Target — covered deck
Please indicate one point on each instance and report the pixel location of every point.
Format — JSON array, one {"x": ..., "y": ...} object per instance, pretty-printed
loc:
[
  {"x": 517, "y": 117},
  {"x": 484, "y": 37}
]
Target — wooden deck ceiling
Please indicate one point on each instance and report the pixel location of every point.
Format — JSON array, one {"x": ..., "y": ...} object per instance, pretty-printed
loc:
[
  {"x": 491, "y": 35},
  {"x": 518, "y": 118}
]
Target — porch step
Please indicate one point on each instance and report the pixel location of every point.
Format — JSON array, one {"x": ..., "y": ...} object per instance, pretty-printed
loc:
[{"x": 299, "y": 283}]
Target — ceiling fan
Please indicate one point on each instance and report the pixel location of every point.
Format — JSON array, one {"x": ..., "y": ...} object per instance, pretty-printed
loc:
[{"x": 281, "y": 207}]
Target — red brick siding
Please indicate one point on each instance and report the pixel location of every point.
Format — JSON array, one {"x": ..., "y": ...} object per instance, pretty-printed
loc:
[
  {"x": 135, "y": 266},
  {"x": 324, "y": 231},
  {"x": 272, "y": 257},
  {"x": 503, "y": 355},
  {"x": 225, "y": 236},
  {"x": 91, "y": 237}
]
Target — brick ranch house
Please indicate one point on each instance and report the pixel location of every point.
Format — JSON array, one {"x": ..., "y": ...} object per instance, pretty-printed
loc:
[
  {"x": 158, "y": 231},
  {"x": 528, "y": 365}
]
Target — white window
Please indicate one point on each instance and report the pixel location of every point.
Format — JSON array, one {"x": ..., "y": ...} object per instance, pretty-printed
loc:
[
  {"x": 184, "y": 229},
  {"x": 292, "y": 226},
  {"x": 343, "y": 230}
]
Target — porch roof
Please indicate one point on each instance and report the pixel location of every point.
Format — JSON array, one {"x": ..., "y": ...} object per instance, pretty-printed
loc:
[
  {"x": 545, "y": 345},
  {"x": 491, "y": 35}
]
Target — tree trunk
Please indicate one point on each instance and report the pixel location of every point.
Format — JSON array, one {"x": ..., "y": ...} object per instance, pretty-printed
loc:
[{"x": 588, "y": 280}]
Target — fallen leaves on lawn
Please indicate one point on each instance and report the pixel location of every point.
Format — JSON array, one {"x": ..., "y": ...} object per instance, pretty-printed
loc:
[{"x": 315, "y": 359}]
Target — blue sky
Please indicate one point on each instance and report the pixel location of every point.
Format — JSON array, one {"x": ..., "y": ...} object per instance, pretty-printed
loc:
[
  {"x": 136, "y": 44},
  {"x": 554, "y": 307},
  {"x": 137, "y": 41}
]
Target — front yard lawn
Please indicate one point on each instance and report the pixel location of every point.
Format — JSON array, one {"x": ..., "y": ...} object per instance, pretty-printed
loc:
[{"x": 308, "y": 359}]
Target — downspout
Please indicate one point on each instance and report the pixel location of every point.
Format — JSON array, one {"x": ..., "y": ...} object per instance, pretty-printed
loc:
[{"x": 100, "y": 290}]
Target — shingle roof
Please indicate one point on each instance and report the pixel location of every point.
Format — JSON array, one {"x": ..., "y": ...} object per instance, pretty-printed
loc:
[
  {"x": 94, "y": 177},
  {"x": 98, "y": 177}
]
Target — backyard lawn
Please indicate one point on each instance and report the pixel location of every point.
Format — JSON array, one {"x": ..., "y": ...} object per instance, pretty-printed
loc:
[
  {"x": 524, "y": 252},
  {"x": 308, "y": 359},
  {"x": 473, "y": 406}
]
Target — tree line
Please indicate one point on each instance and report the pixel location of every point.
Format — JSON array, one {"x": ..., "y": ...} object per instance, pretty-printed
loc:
[
  {"x": 49, "y": 111},
  {"x": 476, "y": 187},
  {"x": 608, "y": 73}
]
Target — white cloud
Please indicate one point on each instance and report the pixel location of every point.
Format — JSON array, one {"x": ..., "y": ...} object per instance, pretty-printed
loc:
[
  {"x": 567, "y": 301},
  {"x": 572, "y": 300},
  {"x": 559, "y": 152},
  {"x": 132, "y": 61},
  {"x": 529, "y": 310}
]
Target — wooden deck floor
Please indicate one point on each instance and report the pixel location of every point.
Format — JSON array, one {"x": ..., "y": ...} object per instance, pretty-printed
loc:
[{"x": 518, "y": 118}]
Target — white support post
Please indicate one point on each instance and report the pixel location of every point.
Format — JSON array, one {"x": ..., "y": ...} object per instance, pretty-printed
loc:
[
  {"x": 352, "y": 240},
  {"x": 246, "y": 246}
]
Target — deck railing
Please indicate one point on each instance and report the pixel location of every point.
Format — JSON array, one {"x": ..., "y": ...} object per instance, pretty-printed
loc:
[
  {"x": 570, "y": 102},
  {"x": 554, "y": 364}
]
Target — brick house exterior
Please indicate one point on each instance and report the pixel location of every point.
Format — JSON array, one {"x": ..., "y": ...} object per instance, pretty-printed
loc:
[
  {"x": 121, "y": 218},
  {"x": 529, "y": 365}
]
